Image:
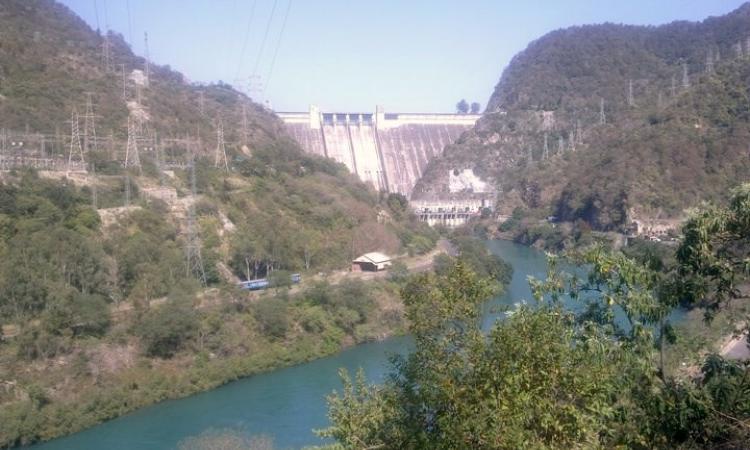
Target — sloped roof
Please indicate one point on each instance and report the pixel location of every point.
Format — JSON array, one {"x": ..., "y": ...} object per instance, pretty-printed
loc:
[{"x": 373, "y": 257}]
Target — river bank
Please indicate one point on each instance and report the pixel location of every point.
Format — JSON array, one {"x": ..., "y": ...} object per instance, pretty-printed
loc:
[
  {"x": 285, "y": 404},
  {"x": 98, "y": 381}
]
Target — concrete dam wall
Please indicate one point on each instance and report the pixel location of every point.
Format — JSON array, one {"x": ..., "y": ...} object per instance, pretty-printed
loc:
[{"x": 390, "y": 151}]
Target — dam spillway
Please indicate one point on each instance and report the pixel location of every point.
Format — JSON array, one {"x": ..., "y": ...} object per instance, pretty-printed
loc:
[{"x": 388, "y": 150}]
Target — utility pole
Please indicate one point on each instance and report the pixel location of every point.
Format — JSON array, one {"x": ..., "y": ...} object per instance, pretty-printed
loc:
[
  {"x": 75, "y": 141},
  {"x": 221, "y": 152},
  {"x": 127, "y": 188},
  {"x": 201, "y": 103},
  {"x": 631, "y": 100},
  {"x": 124, "y": 82},
  {"x": 89, "y": 125},
  {"x": 245, "y": 130},
  {"x": 159, "y": 160},
  {"x": 685, "y": 76},
  {"x": 193, "y": 244},
  {"x": 602, "y": 116},
  {"x": 146, "y": 57},
  {"x": 3, "y": 141},
  {"x": 94, "y": 196},
  {"x": 132, "y": 158},
  {"x": 106, "y": 53}
]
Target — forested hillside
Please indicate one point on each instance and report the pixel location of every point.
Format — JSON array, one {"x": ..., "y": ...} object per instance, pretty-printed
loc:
[
  {"x": 50, "y": 59},
  {"x": 101, "y": 312},
  {"x": 604, "y": 123}
]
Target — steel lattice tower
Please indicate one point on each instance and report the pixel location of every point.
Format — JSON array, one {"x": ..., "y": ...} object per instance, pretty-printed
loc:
[
  {"x": 89, "y": 125},
  {"x": 193, "y": 245},
  {"x": 220, "y": 156},
  {"x": 132, "y": 158},
  {"x": 76, "y": 150}
]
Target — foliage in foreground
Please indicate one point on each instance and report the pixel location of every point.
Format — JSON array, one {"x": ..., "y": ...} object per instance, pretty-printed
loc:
[{"x": 547, "y": 379}]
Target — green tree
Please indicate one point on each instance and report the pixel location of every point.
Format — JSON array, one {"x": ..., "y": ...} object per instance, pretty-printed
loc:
[
  {"x": 534, "y": 382},
  {"x": 168, "y": 328},
  {"x": 462, "y": 107}
]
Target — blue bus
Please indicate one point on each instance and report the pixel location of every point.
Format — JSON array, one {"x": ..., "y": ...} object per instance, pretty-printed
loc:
[{"x": 263, "y": 283}]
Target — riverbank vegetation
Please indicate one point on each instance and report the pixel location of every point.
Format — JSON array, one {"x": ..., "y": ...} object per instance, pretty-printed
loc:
[
  {"x": 100, "y": 315},
  {"x": 545, "y": 378}
]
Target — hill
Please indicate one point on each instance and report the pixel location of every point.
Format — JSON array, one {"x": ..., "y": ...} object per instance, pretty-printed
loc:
[
  {"x": 678, "y": 139},
  {"x": 101, "y": 310}
]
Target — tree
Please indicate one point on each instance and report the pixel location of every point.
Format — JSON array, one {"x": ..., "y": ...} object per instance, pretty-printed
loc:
[
  {"x": 534, "y": 382},
  {"x": 462, "y": 107},
  {"x": 476, "y": 108},
  {"x": 167, "y": 329},
  {"x": 713, "y": 256}
]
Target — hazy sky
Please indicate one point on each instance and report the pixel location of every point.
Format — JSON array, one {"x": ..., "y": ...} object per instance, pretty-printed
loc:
[{"x": 349, "y": 55}]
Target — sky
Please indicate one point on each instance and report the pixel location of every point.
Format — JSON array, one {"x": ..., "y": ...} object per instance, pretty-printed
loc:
[{"x": 350, "y": 55}]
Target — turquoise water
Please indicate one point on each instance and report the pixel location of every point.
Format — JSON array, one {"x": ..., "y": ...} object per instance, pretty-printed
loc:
[{"x": 286, "y": 404}]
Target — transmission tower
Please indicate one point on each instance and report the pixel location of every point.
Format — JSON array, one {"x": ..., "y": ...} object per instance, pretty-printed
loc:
[
  {"x": 710, "y": 62},
  {"x": 89, "y": 125},
  {"x": 201, "y": 103},
  {"x": 245, "y": 130},
  {"x": 3, "y": 141},
  {"x": 220, "y": 156},
  {"x": 107, "y": 54},
  {"x": 94, "y": 196},
  {"x": 132, "y": 159},
  {"x": 193, "y": 244},
  {"x": 602, "y": 116},
  {"x": 685, "y": 76},
  {"x": 631, "y": 100},
  {"x": 76, "y": 150},
  {"x": 146, "y": 57},
  {"x": 124, "y": 82}
]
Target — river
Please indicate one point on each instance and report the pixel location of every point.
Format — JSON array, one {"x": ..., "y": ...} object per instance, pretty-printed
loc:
[{"x": 286, "y": 404}]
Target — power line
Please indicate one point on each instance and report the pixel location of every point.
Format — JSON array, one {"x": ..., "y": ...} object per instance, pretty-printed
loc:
[
  {"x": 265, "y": 37},
  {"x": 247, "y": 37},
  {"x": 96, "y": 14},
  {"x": 278, "y": 44},
  {"x": 130, "y": 23}
]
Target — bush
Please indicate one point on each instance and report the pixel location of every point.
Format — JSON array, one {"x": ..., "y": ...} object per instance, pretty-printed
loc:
[
  {"x": 271, "y": 314},
  {"x": 168, "y": 329}
]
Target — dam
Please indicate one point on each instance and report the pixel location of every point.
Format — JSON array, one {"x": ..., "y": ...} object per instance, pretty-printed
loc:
[{"x": 388, "y": 150}]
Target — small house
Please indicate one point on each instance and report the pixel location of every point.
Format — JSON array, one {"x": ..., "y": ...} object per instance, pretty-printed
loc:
[{"x": 371, "y": 262}]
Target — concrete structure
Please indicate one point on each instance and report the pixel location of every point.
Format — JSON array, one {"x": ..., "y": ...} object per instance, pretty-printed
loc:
[
  {"x": 451, "y": 213},
  {"x": 388, "y": 150},
  {"x": 371, "y": 262}
]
